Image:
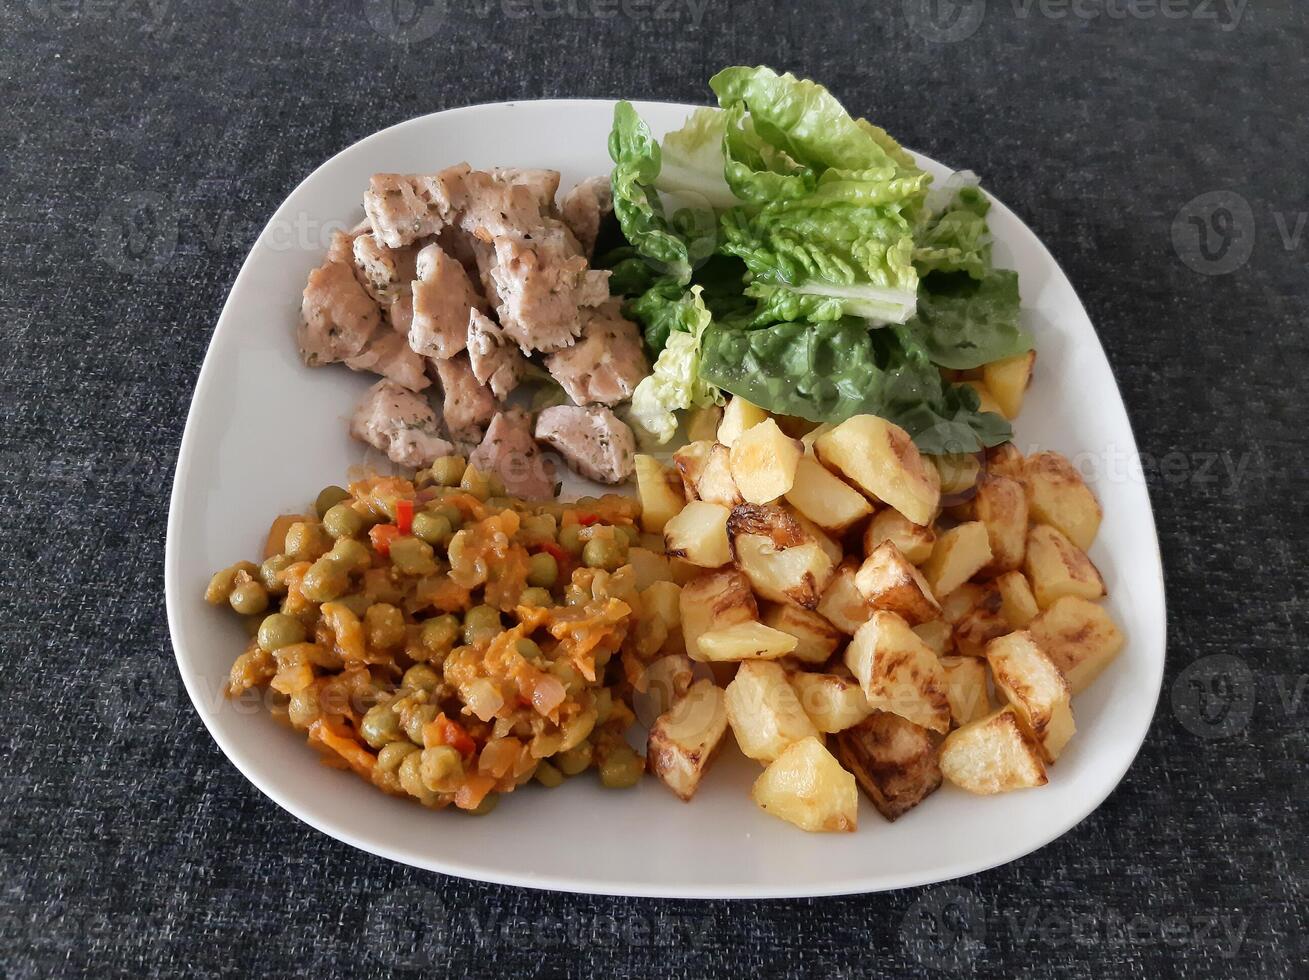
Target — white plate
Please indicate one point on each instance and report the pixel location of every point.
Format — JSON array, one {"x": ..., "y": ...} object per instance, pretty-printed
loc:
[{"x": 264, "y": 433}]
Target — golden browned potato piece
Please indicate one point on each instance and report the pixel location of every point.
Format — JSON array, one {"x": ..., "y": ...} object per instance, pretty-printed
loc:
[
  {"x": 1005, "y": 460},
  {"x": 698, "y": 534},
  {"x": 937, "y": 635},
  {"x": 666, "y": 680},
  {"x": 660, "y": 492},
  {"x": 1057, "y": 495},
  {"x": 738, "y": 416},
  {"x": 816, "y": 638},
  {"x": 781, "y": 561},
  {"x": 958, "y": 555},
  {"x": 713, "y": 600},
  {"x": 992, "y": 755},
  {"x": 1001, "y": 506},
  {"x": 832, "y": 702},
  {"x": 714, "y": 482},
  {"x": 831, "y": 547},
  {"x": 684, "y": 740},
  {"x": 981, "y": 623},
  {"x": 898, "y": 671},
  {"x": 1007, "y": 380},
  {"x": 957, "y": 472},
  {"x": 894, "y": 761},
  {"x": 1017, "y": 604},
  {"x": 1031, "y": 682},
  {"x": 1079, "y": 637},
  {"x": 888, "y": 581},
  {"x": 807, "y": 787},
  {"x": 702, "y": 424},
  {"x": 690, "y": 462},
  {"x": 763, "y": 461},
  {"x": 880, "y": 459},
  {"x": 663, "y": 601},
  {"x": 745, "y": 641},
  {"x": 914, "y": 540},
  {"x": 985, "y": 398},
  {"x": 965, "y": 688},
  {"x": 764, "y": 712},
  {"x": 842, "y": 604},
  {"x": 1056, "y": 567},
  {"x": 825, "y": 498}
]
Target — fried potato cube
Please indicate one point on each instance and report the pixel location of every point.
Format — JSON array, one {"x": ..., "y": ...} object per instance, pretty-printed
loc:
[
  {"x": 715, "y": 483},
  {"x": 881, "y": 460},
  {"x": 831, "y": 547},
  {"x": 981, "y": 623},
  {"x": 649, "y": 566},
  {"x": 1057, "y": 495},
  {"x": 842, "y": 604},
  {"x": 685, "y": 739},
  {"x": 816, "y": 638},
  {"x": 699, "y": 534},
  {"x": 959, "y": 603},
  {"x": 763, "y": 461},
  {"x": 957, "y": 471},
  {"x": 806, "y": 786},
  {"x": 745, "y": 641},
  {"x": 702, "y": 423},
  {"x": 738, "y": 416},
  {"x": 965, "y": 688},
  {"x": 987, "y": 402},
  {"x": 666, "y": 680},
  {"x": 914, "y": 540},
  {"x": 781, "y": 561},
  {"x": 1056, "y": 567},
  {"x": 1005, "y": 460},
  {"x": 1001, "y": 505},
  {"x": 662, "y": 601},
  {"x": 713, "y": 600},
  {"x": 833, "y": 702},
  {"x": 1007, "y": 380},
  {"x": 764, "y": 712},
  {"x": 937, "y": 635},
  {"x": 1017, "y": 604},
  {"x": 889, "y": 581},
  {"x": 958, "y": 555},
  {"x": 689, "y": 462},
  {"x": 898, "y": 671},
  {"x": 1031, "y": 682},
  {"x": 894, "y": 761},
  {"x": 826, "y": 499},
  {"x": 1079, "y": 637},
  {"x": 992, "y": 755},
  {"x": 660, "y": 492}
]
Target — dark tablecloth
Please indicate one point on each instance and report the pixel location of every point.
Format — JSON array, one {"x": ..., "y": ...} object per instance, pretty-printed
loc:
[{"x": 1157, "y": 148}]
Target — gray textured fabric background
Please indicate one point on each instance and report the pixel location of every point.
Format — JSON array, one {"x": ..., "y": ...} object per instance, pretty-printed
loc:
[{"x": 1157, "y": 148}]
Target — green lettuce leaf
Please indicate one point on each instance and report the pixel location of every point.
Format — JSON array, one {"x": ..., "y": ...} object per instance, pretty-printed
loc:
[
  {"x": 957, "y": 239},
  {"x": 693, "y": 163},
  {"x": 964, "y": 323},
  {"x": 677, "y": 381}
]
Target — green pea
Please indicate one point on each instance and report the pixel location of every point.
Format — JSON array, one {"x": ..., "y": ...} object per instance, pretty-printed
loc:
[
  {"x": 631, "y": 533},
  {"x": 249, "y": 598},
  {"x": 489, "y": 802},
  {"x": 385, "y": 626},
  {"x": 439, "y": 635},
  {"x": 448, "y": 471},
  {"x": 302, "y": 708},
  {"x": 570, "y": 539},
  {"x": 412, "y": 557},
  {"x": 451, "y": 513},
  {"x": 432, "y": 528},
  {"x": 221, "y": 584},
  {"x": 475, "y": 482},
  {"x": 539, "y": 526},
  {"x": 380, "y": 725},
  {"x": 604, "y": 704},
  {"x": 411, "y": 778},
  {"x": 529, "y": 648},
  {"x": 416, "y": 719},
  {"x": 305, "y": 541},
  {"x": 420, "y": 677},
  {"x": 357, "y": 603},
  {"x": 548, "y": 775},
  {"x": 324, "y": 581},
  {"x": 538, "y": 597},
  {"x": 576, "y": 759},
  {"x": 440, "y": 766},
  {"x": 328, "y": 498},
  {"x": 393, "y": 753},
  {"x": 351, "y": 554},
  {"x": 280, "y": 630},
  {"x": 270, "y": 573},
  {"x": 343, "y": 521},
  {"x": 542, "y": 570},
  {"x": 620, "y": 768},
  {"x": 603, "y": 553},
  {"x": 481, "y": 623}
]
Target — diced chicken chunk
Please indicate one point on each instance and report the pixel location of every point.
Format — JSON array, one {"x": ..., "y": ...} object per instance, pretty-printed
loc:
[
  {"x": 606, "y": 363},
  {"x": 496, "y": 360},
  {"x": 543, "y": 184},
  {"x": 443, "y": 295},
  {"x": 400, "y": 424},
  {"x": 337, "y": 316},
  {"x": 491, "y": 207},
  {"x": 593, "y": 441},
  {"x": 510, "y": 451},
  {"x": 542, "y": 281},
  {"x": 468, "y": 404},
  {"x": 585, "y": 207},
  {"x": 386, "y": 272},
  {"x": 402, "y": 208},
  {"x": 389, "y": 355}
]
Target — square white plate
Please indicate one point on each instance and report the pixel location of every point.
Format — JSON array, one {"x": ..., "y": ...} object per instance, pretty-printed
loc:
[{"x": 265, "y": 433}]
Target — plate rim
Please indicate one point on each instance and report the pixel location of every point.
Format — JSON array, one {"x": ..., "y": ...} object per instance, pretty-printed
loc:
[{"x": 579, "y": 885}]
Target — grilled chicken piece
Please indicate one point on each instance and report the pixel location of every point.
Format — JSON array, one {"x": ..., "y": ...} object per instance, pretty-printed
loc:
[
  {"x": 510, "y": 451},
  {"x": 337, "y": 316},
  {"x": 606, "y": 363},
  {"x": 496, "y": 360},
  {"x": 389, "y": 355},
  {"x": 543, "y": 184},
  {"x": 400, "y": 424},
  {"x": 585, "y": 206},
  {"x": 468, "y": 404},
  {"x": 386, "y": 272},
  {"x": 542, "y": 281},
  {"x": 491, "y": 206},
  {"x": 593, "y": 441},
  {"x": 443, "y": 295},
  {"x": 895, "y": 761},
  {"x": 402, "y": 208}
]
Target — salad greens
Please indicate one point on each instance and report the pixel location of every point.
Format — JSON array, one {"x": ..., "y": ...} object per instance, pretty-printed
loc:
[{"x": 783, "y": 251}]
